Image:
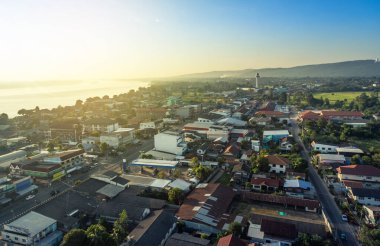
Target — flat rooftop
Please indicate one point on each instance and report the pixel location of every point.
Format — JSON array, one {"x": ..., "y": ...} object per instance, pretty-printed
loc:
[
  {"x": 154, "y": 163},
  {"x": 33, "y": 223}
]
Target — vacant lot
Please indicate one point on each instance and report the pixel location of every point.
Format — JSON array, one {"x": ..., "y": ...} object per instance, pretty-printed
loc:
[{"x": 334, "y": 96}]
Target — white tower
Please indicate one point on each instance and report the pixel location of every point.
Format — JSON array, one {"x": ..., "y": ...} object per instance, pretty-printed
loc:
[{"x": 257, "y": 80}]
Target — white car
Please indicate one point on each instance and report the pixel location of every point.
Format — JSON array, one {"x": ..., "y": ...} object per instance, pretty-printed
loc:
[
  {"x": 344, "y": 217},
  {"x": 29, "y": 197}
]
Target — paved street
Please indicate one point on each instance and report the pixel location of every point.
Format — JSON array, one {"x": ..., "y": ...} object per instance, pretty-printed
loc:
[
  {"x": 21, "y": 206},
  {"x": 326, "y": 199}
]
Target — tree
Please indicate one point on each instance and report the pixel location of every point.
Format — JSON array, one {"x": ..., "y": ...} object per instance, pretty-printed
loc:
[
  {"x": 4, "y": 119},
  {"x": 260, "y": 163},
  {"x": 235, "y": 228},
  {"x": 161, "y": 175},
  {"x": 175, "y": 195},
  {"x": 75, "y": 237},
  {"x": 201, "y": 172},
  {"x": 50, "y": 146},
  {"x": 98, "y": 236},
  {"x": 120, "y": 228},
  {"x": 78, "y": 103},
  {"x": 369, "y": 237},
  {"x": 309, "y": 240},
  {"x": 104, "y": 147},
  {"x": 194, "y": 161}
]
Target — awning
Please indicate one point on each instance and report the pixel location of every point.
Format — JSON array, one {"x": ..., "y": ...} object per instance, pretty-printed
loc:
[{"x": 27, "y": 190}]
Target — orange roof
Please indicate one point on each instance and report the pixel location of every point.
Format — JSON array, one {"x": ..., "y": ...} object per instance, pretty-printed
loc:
[
  {"x": 266, "y": 181},
  {"x": 230, "y": 240},
  {"x": 309, "y": 115}
]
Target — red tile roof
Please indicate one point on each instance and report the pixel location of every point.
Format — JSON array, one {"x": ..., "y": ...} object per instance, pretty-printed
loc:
[
  {"x": 70, "y": 154},
  {"x": 278, "y": 160},
  {"x": 279, "y": 229},
  {"x": 359, "y": 170},
  {"x": 309, "y": 115},
  {"x": 266, "y": 181},
  {"x": 333, "y": 113},
  {"x": 230, "y": 240}
]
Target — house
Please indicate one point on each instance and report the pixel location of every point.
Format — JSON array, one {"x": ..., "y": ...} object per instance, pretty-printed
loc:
[
  {"x": 205, "y": 208},
  {"x": 359, "y": 173},
  {"x": 330, "y": 160},
  {"x": 274, "y": 135},
  {"x": 209, "y": 117},
  {"x": 66, "y": 159},
  {"x": 323, "y": 148},
  {"x": 232, "y": 151},
  {"x": 230, "y": 240},
  {"x": 119, "y": 137},
  {"x": 255, "y": 145},
  {"x": 89, "y": 142},
  {"x": 265, "y": 184},
  {"x": 216, "y": 132},
  {"x": 199, "y": 127},
  {"x": 286, "y": 145},
  {"x": 276, "y": 115},
  {"x": 149, "y": 113},
  {"x": 185, "y": 239},
  {"x": 229, "y": 121},
  {"x": 308, "y": 115},
  {"x": 32, "y": 229},
  {"x": 278, "y": 164},
  {"x": 153, "y": 230},
  {"x": 299, "y": 188},
  {"x": 240, "y": 173},
  {"x": 151, "y": 125},
  {"x": 7, "y": 159},
  {"x": 100, "y": 125},
  {"x": 365, "y": 196},
  {"x": 170, "y": 142},
  {"x": 180, "y": 184},
  {"x": 349, "y": 151},
  {"x": 273, "y": 232}
]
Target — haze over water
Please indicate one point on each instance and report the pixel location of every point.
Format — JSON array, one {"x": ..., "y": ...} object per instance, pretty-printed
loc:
[{"x": 51, "y": 94}]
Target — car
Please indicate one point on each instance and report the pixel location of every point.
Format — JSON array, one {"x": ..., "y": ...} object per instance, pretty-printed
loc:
[
  {"x": 343, "y": 236},
  {"x": 29, "y": 197},
  {"x": 344, "y": 217}
]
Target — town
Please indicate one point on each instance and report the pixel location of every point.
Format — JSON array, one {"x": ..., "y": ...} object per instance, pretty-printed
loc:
[{"x": 177, "y": 163}]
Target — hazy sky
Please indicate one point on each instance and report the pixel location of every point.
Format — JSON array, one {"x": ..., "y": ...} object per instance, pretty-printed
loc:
[{"x": 93, "y": 39}]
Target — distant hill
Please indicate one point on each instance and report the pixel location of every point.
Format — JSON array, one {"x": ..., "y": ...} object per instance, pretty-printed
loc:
[{"x": 358, "y": 68}]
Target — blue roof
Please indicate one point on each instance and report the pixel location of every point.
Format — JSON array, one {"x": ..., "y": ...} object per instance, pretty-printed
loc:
[{"x": 297, "y": 183}]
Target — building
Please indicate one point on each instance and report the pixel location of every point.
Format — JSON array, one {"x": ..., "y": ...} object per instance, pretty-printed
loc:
[
  {"x": 230, "y": 240},
  {"x": 199, "y": 127},
  {"x": 372, "y": 215},
  {"x": 274, "y": 136},
  {"x": 154, "y": 163},
  {"x": 330, "y": 160},
  {"x": 308, "y": 115},
  {"x": 265, "y": 184},
  {"x": 154, "y": 230},
  {"x": 100, "y": 125},
  {"x": 278, "y": 164},
  {"x": 170, "y": 142},
  {"x": 215, "y": 132},
  {"x": 365, "y": 196},
  {"x": 349, "y": 151},
  {"x": 185, "y": 239},
  {"x": 119, "y": 137},
  {"x": 151, "y": 125},
  {"x": 89, "y": 143},
  {"x": 32, "y": 229},
  {"x": 273, "y": 232},
  {"x": 67, "y": 159},
  {"x": 323, "y": 148},
  {"x": 278, "y": 116},
  {"x": 299, "y": 188},
  {"x": 358, "y": 173},
  {"x": 209, "y": 118},
  {"x": 7, "y": 159},
  {"x": 150, "y": 113},
  {"x": 205, "y": 208},
  {"x": 341, "y": 115}
]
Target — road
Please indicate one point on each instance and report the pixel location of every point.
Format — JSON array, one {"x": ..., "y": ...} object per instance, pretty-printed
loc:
[
  {"x": 326, "y": 199},
  {"x": 21, "y": 206}
]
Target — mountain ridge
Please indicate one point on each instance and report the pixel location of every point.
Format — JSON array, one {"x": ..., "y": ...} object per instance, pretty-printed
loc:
[{"x": 355, "y": 68}]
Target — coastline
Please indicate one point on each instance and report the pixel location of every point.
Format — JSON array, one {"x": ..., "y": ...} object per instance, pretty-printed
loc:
[{"x": 51, "y": 95}]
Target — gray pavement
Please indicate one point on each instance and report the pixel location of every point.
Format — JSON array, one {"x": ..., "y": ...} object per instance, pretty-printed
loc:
[{"x": 326, "y": 199}]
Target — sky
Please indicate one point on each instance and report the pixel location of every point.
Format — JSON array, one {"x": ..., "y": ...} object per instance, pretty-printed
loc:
[{"x": 121, "y": 39}]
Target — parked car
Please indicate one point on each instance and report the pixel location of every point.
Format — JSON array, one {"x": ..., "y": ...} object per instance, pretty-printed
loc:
[
  {"x": 343, "y": 236},
  {"x": 29, "y": 197},
  {"x": 344, "y": 217}
]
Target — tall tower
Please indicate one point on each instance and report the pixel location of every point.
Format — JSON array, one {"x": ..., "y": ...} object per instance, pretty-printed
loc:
[{"x": 257, "y": 80}]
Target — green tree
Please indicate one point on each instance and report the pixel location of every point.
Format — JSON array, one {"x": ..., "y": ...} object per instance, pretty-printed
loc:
[
  {"x": 161, "y": 175},
  {"x": 98, "y": 236},
  {"x": 104, "y": 147},
  {"x": 260, "y": 163},
  {"x": 355, "y": 159},
  {"x": 175, "y": 195},
  {"x": 75, "y": 237},
  {"x": 235, "y": 228},
  {"x": 50, "y": 146},
  {"x": 120, "y": 227},
  {"x": 369, "y": 237}
]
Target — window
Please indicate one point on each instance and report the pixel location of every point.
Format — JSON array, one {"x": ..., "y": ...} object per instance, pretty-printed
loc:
[
  {"x": 368, "y": 177},
  {"x": 317, "y": 148},
  {"x": 329, "y": 148},
  {"x": 361, "y": 198},
  {"x": 24, "y": 240},
  {"x": 16, "y": 238},
  {"x": 281, "y": 166},
  {"x": 7, "y": 236},
  {"x": 323, "y": 148},
  {"x": 273, "y": 165}
]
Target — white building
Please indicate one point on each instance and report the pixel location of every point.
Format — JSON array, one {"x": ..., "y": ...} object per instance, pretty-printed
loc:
[
  {"x": 32, "y": 229},
  {"x": 7, "y": 159},
  {"x": 365, "y": 196},
  {"x": 151, "y": 125},
  {"x": 364, "y": 173},
  {"x": 255, "y": 145},
  {"x": 118, "y": 137},
  {"x": 278, "y": 164},
  {"x": 324, "y": 148},
  {"x": 170, "y": 142}
]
